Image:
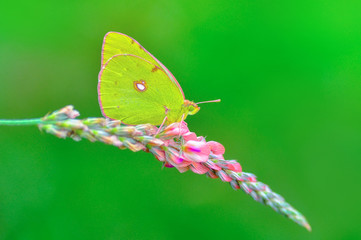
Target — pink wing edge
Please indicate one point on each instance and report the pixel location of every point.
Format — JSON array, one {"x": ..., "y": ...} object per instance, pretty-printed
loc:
[
  {"x": 161, "y": 64},
  {"x": 98, "y": 89},
  {"x": 101, "y": 72}
]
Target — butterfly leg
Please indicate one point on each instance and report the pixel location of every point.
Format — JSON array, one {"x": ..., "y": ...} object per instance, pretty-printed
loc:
[
  {"x": 165, "y": 118},
  {"x": 180, "y": 126}
]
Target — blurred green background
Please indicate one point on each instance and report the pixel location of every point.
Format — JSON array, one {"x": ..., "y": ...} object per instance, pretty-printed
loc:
[{"x": 288, "y": 74}]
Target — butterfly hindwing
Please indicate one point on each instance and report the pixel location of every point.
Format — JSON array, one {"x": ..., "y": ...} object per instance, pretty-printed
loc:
[{"x": 135, "y": 91}]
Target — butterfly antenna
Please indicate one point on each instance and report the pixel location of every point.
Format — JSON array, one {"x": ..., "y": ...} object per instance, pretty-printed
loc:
[{"x": 217, "y": 100}]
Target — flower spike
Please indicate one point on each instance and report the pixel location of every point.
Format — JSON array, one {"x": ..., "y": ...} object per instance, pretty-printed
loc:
[{"x": 175, "y": 146}]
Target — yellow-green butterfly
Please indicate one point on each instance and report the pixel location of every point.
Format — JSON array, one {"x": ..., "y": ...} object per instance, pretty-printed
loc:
[{"x": 137, "y": 88}]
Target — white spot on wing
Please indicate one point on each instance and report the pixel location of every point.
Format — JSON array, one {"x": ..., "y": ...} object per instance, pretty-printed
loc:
[{"x": 140, "y": 86}]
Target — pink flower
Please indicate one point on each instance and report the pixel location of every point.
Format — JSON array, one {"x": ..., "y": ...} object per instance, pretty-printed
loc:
[
  {"x": 173, "y": 159},
  {"x": 65, "y": 112},
  {"x": 196, "y": 151},
  {"x": 175, "y": 129}
]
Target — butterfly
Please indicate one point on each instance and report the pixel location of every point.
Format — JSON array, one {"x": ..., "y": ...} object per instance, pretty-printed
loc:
[{"x": 136, "y": 88}]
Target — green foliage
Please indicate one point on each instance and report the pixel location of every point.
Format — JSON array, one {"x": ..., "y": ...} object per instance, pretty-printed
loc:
[{"x": 288, "y": 74}]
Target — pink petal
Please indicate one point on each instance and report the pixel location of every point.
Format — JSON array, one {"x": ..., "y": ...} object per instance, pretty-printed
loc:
[
  {"x": 212, "y": 165},
  {"x": 168, "y": 165},
  {"x": 169, "y": 142},
  {"x": 234, "y": 184},
  {"x": 158, "y": 153},
  {"x": 173, "y": 157},
  {"x": 190, "y": 136},
  {"x": 219, "y": 157},
  {"x": 175, "y": 129},
  {"x": 201, "y": 139},
  {"x": 196, "y": 151},
  {"x": 184, "y": 163},
  {"x": 236, "y": 167},
  {"x": 197, "y": 147},
  {"x": 211, "y": 174},
  {"x": 223, "y": 176},
  {"x": 216, "y": 147},
  {"x": 199, "y": 168},
  {"x": 182, "y": 169}
]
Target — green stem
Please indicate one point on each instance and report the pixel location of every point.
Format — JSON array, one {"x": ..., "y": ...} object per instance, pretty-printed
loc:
[{"x": 16, "y": 122}]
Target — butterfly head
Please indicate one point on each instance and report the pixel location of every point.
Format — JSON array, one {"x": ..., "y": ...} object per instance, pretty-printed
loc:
[{"x": 192, "y": 108}]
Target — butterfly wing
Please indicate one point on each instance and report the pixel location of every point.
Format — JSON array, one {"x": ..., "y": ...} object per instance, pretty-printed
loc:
[
  {"x": 136, "y": 91},
  {"x": 115, "y": 43}
]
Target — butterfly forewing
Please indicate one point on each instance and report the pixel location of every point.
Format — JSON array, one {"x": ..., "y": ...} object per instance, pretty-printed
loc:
[{"x": 115, "y": 43}]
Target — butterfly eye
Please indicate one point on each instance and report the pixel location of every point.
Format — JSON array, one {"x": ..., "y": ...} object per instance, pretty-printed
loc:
[
  {"x": 140, "y": 86},
  {"x": 193, "y": 109}
]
